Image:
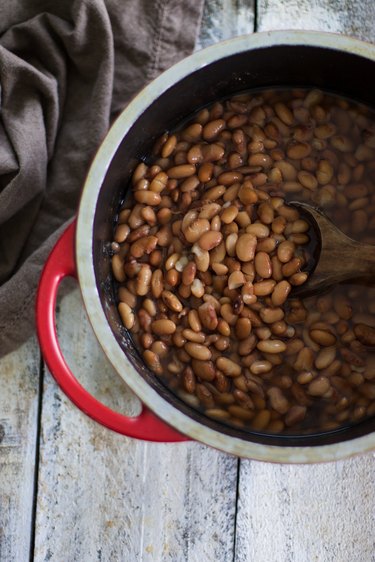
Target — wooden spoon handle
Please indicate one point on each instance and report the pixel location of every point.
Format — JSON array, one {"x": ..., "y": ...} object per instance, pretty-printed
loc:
[
  {"x": 345, "y": 261},
  {"x": 359, "y": 261}
]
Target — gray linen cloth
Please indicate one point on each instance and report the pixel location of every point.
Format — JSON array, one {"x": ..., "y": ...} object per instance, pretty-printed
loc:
[{"x": 67, "y": 68}]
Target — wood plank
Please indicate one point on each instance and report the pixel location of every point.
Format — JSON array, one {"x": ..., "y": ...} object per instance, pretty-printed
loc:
[
  {"x": 319, "y": 512},
  {"x": 103, "y": 496},
  {"x": 339, "y": 16},
  {"x": 223, "y": 19},
  {"x": 303, "y": 513},
  {"x": 19, "y": 373}
]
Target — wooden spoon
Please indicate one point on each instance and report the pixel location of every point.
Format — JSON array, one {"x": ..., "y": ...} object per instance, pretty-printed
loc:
[{"x": 336, "y": 257}]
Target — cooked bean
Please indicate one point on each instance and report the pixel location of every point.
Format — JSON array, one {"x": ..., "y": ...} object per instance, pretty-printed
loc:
[
  {"x": 323, "y": 337},
  {"x": 228, "y": 367},
  {"x": 197, "y": 337},
  {"x": 305, "y": 377},
  {"x": 197, "y": 288},
  {"x": 212, "y": 152},
  {"x": 295, "y": 415},
  {"x": 325, "y": 357},
  {"x": 118, "y": 268},
  {"x": 209, "y": 240},
  {"x": 270, "y": 315},
  {"x": 271, "y": 346},
  {"x": 159, "y": 182},
  {"x": 236, "y": 279},
  {"x": 194, "y": 322},
  {"x": 284, "y": 113},
  {"x": 198, "y": 351},
  {"x": 243, "y": 328},
  {"x": 188, "y": 273},
  {"x": 204, "y": 370},
  {"x": 202, "y": 258},
  {"x": 277, "y": 400},
  {"x": 163, "y": 327},
  {"x": 229, "y": 214},
  {"x": 147, "y": 197},
  {"x": 319, "y": 386},
  {"x": 280, "y": 292},
  {"x": 365, "y": 334},
  {"x": 291, "y": 267},
  {"x": 285, "y": 251},
  {"x": 263, "y": 265},
  {"x": 264, "y": 288},
  {"x": 124, "y": 295},
  {"x": 143, "y": 246},
  {"x": 195, "y": 229},
  {"x": 127, "y": 315},
  {"x": 298, "y": 150},
  {"x": 144, "y": 280},
  {"x": 260, "y": 367},
  {"x": 207, "y": 316},
  {"x": 171, "y": 301},
  {"x": 324, "y": 173},
  {"x": 305, "y": 359},
  {"x": 181, "y": 171},
  {"x": 205, "y": 396},
  {"x": 298, "y": 278},
  {"x": 153, "y": 361},
  {"x": 247, "y": 194},
  {"x": 258, "y": 229},
  {"x": 261, "y": 420},
  {"x": 245, "y": 247},
  {"x": 213, "y": 128},
  {"x": 205, "y": 172}
]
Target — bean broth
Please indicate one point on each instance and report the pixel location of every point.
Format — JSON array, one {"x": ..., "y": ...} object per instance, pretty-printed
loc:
[{"x": 207, "y": 252}]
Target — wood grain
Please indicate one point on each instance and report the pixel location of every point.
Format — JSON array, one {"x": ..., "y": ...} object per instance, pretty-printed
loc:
[
  {"x": 19, "y": 375},
  {"x": 340, "y": 16},
  {"x": 223, "y": 19},
  {"x": 103, "y": 496},
  {"x": 323, "y": 513}
]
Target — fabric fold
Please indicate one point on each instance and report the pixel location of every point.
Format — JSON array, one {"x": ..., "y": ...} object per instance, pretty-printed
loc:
[{"x": 66, "y": 70}]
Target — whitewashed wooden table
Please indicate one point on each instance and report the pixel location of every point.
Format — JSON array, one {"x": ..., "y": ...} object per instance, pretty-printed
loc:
[{"x": 71, "y": 490}]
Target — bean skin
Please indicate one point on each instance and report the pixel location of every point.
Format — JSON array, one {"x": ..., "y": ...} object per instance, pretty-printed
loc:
[
  {"x": 228, "y": 367},
  {"x": 263, "y": 265},
  {"x": 245, "y": 247},
  {"x": 319, "y": 386},
  {"x": 127, "y": 315},
  {"x": 163, "y": 327},
  {"x": 181, "y": 171},
  {"x": 323, "y": 337},
  {"x": 271, "y": 346},
  {"x": 198, "y": 351},
  {"x": 365, "y": 334},
  {"x": 280, "y": 292}
]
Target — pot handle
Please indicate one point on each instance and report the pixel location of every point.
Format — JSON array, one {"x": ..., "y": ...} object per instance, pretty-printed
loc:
[{"x": 60, "y": 264}]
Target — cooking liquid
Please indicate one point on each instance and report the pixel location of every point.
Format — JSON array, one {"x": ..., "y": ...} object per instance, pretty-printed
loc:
[{"x": 348, "y": 199}]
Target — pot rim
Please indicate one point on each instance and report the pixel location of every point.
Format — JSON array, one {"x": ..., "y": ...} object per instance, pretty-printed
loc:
[{"x": 85, "y": 263}]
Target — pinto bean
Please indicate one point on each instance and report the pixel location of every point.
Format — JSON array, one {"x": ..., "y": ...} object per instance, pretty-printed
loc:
[
  {"x": 245, "y": 247},
  {"x": 365, "y": 334}
]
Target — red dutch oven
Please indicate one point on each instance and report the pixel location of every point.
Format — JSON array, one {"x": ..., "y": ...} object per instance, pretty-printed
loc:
[{"x": 285, "y": 58}]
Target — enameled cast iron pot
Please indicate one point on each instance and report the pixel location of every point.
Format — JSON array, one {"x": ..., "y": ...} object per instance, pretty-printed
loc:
[{"x": 295, "y": 58}]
